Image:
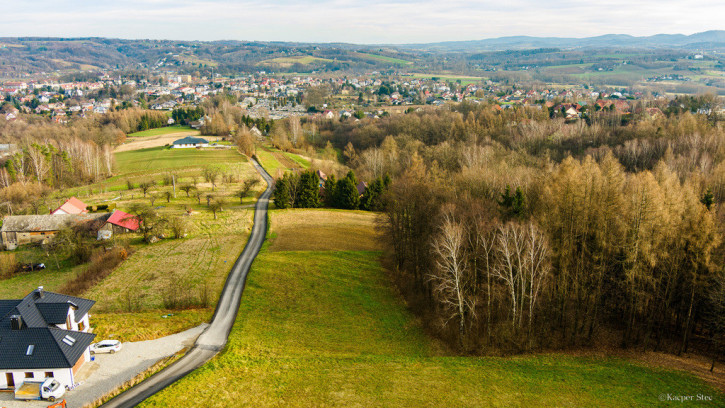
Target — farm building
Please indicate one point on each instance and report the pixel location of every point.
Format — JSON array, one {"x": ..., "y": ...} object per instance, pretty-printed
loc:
[
  {"x": 43, "y": 335},
  {"x": 71, "y": 206},
  {"x": 190, "y": 142},
  {"x": 118, "y": 222},
  {"x": 27, "y": 229}
]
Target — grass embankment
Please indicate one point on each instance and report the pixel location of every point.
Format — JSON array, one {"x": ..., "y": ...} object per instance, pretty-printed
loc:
[
  {"x": 149, "y": 324},
  {"x": 178, "y": 129},
  {"x": 277, "y": 162},
  {"x": 325, "y": 328}
]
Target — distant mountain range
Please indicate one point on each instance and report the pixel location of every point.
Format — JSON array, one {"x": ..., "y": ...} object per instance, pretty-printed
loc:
[{"x": 707, "y": 39}]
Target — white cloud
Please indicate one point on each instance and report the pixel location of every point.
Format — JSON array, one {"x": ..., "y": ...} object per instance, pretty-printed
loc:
[{"x": 376, "y": 21}]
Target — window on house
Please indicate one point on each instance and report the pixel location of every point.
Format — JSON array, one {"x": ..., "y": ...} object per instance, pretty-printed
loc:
[
  {"x": 28, "y": 375},
  {"x": 81, "y": 326},
  {"x": 69, "y": 340},
  {"x": 48, "y": 374}
]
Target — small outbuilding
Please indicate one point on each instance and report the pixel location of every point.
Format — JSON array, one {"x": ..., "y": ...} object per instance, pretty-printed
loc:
[
  {"x": 71, "y": 206},
  {"x": 118, "y": 222}
]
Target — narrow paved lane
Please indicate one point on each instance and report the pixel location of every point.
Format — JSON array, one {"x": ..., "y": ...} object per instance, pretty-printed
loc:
[{"x": 215, "y": 336}]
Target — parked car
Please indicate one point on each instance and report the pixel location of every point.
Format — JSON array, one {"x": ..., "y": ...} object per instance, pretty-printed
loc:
[
  {"x": 106, "y": 346},
  {"x": 32, "y": 267}
]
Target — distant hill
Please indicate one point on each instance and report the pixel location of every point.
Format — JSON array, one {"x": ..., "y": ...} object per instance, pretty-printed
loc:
[
  {"x": 66, "y": 57},
  {"x": 707, "y": 39}
]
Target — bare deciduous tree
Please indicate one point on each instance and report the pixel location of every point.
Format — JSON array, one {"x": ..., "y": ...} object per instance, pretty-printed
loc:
[
  {"x": 453, "y": 282},
  {"x": 521, "y": 264}
]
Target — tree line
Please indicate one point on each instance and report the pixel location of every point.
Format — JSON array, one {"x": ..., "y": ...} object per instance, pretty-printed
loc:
[
  {"x": 580, "y": 253},
  {"x": 511, "y": 231},
  {"x": 305, "y": 190}
]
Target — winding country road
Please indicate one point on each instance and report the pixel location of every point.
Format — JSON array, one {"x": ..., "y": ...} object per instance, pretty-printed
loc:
[{"x": 213, "y": 339}]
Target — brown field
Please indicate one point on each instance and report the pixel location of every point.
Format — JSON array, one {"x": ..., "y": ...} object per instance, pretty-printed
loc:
[
  {"x": 137, "y": 143},
  {"x": 323, "y": 230}
]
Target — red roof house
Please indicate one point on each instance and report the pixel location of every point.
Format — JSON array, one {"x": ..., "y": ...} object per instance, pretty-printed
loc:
[
  {"x": 124, "y": 220},
  {"x": 71, "y": 206}
]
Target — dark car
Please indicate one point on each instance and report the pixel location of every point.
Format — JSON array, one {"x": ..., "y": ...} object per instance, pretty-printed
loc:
[{"x": 27, "y": 267}]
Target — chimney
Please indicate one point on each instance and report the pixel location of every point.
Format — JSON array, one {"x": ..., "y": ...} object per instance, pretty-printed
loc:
[
  {"x": 16, "y": 322},
  {"x": 40, "y": 292}
]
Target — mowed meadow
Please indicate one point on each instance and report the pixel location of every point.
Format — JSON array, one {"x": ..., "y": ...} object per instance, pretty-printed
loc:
[{"x": 320, "y": 325}]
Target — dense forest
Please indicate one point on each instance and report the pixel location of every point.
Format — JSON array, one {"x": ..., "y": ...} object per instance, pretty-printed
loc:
[{"x": 511, "y": 231}]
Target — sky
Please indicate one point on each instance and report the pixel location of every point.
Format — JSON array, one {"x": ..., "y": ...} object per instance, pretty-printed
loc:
[{"x": 361, "y": 22}]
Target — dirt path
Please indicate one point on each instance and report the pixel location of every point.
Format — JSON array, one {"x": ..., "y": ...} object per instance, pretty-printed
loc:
[{"x": 136, "y": 143}]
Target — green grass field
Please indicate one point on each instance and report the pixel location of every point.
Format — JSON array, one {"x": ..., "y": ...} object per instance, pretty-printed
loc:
[
  {"x": 51, "y": 278},
  {"x": 325, "y": 328},
  {"x": 465, "y": 80},
  {"x": 288, "y": 61},
  {"x": 396, "y": 61},
  {"x": 162, "y": 158},
  {"x": 165, "y": 131}
]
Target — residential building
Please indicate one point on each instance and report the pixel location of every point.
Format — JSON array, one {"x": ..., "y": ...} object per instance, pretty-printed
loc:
[
  {"x": 43, "y": 335},
  {"x": 190, "y": 142}
]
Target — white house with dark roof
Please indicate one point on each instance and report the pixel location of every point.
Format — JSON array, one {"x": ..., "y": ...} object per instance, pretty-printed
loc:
[
  {"x": 43, "y": 335},
  {"x": 190, "y": 142}
]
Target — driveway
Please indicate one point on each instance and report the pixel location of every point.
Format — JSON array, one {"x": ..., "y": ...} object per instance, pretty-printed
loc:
[{"x": 109, "y": 371}]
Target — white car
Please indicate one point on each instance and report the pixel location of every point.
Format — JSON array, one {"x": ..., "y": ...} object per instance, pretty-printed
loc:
[{"x": 106, "y": 346}]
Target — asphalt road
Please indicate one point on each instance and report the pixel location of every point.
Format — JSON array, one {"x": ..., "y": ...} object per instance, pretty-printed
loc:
[{"x": 215, "y": 336}]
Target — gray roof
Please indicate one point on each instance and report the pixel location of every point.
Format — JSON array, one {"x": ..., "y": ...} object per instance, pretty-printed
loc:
[
  {"x": 49, "y": 222},
  {"x": 53, "y": 313},
  {"x": 7, "y": 305},
  {"x": 49, "y": 349},
  {"x": 40, "y": 313},
  {"x": 191, "y": 140}
]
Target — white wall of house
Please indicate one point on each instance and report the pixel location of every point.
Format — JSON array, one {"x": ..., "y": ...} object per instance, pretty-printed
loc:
[
  {"x": 63, "y": 375},
  {"x": 190, "y": 146},
  {"x": 86, "y": 325}
]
